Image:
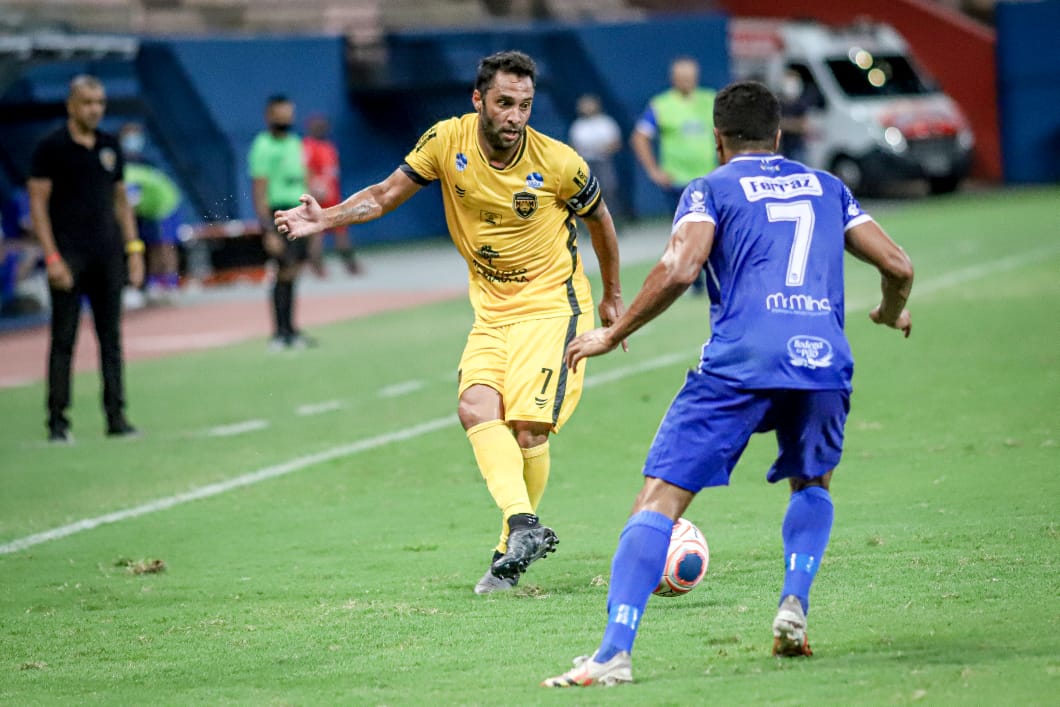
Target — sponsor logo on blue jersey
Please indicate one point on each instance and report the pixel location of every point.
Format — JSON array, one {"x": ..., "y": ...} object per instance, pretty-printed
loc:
[
  {"x": 698, "y": 204},
  {"x": 769, "y": 164},
  {"x": 810, "y": 352},
  {"x": 534, "y": 180},
  {"x": 461, "y": 162},
  {"x": 797, "y": 304},
  {"x": 788, "y": 186}
]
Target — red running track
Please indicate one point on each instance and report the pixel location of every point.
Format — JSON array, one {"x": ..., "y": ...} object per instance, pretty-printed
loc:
[{"x": 166, "y": 331}]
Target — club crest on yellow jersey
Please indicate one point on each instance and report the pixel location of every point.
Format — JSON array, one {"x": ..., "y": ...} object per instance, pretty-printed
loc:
[{"x": 524, "y": 204}]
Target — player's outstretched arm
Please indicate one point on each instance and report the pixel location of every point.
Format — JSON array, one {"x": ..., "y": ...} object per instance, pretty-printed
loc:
[
  {"x": 867, "y": 242},
  {"x": 309, "y": 219},
  {"x": 678, "y": 268},
  {"x": 605, "y": 243}
]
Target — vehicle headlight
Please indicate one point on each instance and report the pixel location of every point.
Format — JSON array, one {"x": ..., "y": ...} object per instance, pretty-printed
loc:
[
  {"x": 893, "y": 139},
  {"x": 965, "y": 139}
]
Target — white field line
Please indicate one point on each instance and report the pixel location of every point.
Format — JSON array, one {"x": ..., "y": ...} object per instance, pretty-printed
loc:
[
  {"x": 650, "y": 365},
  {"x": 291, "y": 466},
  {"x": 237, "y": 428},
  {"x": 254, "y": 477},
  {"x": 319, "y": 408},
  {"x": 393, "y": 391},
  {"x": 950, "y": 279},
  {"x": 981, "y": 270}
]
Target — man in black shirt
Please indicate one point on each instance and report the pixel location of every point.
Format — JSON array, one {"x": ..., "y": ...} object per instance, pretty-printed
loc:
[{"x": 86, "y": 228}]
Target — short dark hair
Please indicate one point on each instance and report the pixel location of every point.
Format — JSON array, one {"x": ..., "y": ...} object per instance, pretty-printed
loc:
[
  {"x": 276, "y": 98},
  {"x": 80, "y": 81},
  {"x": 510, "y": 62},
  {"x": 747, "y": 114}
]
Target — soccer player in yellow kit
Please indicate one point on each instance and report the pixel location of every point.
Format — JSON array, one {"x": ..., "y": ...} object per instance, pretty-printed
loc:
[{"x": 510, "y": 195}]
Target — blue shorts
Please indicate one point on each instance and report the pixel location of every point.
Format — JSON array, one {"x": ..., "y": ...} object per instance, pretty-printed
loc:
[
  {"x": 164, "y": 232},
  {"x": 710, "y": 422}
]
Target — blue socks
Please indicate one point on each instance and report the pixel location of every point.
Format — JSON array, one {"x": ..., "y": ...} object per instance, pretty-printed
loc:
[
  {"x": 807, "y": 525},
  {"x": 635, "y": 572}
]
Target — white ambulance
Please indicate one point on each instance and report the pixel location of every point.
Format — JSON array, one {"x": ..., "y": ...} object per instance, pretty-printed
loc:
[{"x": 870, "y": 115}]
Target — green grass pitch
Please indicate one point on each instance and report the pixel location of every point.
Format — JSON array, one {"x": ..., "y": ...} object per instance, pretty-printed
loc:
[{"x": 346, "y": 578}]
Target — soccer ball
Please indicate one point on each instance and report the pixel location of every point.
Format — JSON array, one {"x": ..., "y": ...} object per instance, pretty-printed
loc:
[{"x": 686, "y": 560}]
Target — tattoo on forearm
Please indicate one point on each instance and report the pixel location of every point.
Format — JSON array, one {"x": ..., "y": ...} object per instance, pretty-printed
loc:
[{"x": 358, "y": 212}]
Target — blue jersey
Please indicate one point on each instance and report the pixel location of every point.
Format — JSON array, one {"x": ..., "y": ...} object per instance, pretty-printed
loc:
[{"x": 775, "y": 272}]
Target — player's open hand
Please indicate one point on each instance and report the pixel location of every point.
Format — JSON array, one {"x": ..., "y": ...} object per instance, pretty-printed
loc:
[
  {"x": 306, "y": 219},
  {"x": 591, "y": 343},
  {"x": 903, "y": 323}
]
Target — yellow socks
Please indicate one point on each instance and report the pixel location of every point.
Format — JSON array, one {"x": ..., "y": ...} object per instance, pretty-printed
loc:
[
  {"x": 499, "y": 460},
  {"x": 536, "y": 464},
  {"x": 516, "y": 478}
]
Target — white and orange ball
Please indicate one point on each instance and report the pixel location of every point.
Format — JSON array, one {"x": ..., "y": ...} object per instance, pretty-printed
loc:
[{"x": 686, "y": 560}]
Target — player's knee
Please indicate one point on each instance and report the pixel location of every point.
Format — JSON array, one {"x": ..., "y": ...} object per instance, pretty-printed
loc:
[
  {"x": 479, "y": 404},
  {"x": 468, "y": 414},
  {"x": 800, "y": 484},
  {"x": 531, "y": 434},
  {"x": 662, "y": 497}
]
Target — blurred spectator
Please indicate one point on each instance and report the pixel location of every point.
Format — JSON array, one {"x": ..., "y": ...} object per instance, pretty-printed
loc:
[
  {"x": 793, "y": 124},
  {"x": 23, "y": 288},
  {"x": 278, "y": 168},
  {"x": 155, "y": 199},
  {"x": 322, "y": 164},
  {"x": 681, "y": 121},
  {"x": 82, "y": 218},
  {"x": 597, "y": 137}
]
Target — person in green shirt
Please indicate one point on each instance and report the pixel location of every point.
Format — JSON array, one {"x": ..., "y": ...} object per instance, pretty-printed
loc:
[
  {"x": 277, "y": 168},
  {"x": 155, "y": 199},
  {"x": 681, "y": 121}
]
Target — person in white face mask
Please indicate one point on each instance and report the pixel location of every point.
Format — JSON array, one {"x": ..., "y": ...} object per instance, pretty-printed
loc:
[
  {"x": 155, "y": 199},
  {"x": 793, "y": 123}
]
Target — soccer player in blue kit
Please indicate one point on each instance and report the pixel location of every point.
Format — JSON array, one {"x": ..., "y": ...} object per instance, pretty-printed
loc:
[{"x": 770, "y": 234}]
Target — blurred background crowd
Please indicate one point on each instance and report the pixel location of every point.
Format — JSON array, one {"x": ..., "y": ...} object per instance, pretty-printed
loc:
[{"x": 929, "y": 92}]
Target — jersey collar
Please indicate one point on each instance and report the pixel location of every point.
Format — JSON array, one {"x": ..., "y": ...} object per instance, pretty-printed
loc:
[{"x": 756, "y": 156}]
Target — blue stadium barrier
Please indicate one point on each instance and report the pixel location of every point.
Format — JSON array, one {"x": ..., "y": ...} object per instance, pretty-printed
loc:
[{"x": 1028, "y": 75}]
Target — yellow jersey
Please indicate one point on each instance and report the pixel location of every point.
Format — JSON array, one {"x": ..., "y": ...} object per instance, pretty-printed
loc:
[{"x": 515, "y": 225}]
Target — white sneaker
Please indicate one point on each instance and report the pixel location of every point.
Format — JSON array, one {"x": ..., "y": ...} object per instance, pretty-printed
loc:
[
  {"x": 132, "y": 298},
  {"x": 789, "y": 629},
  {"x": 588, "y": 672}
]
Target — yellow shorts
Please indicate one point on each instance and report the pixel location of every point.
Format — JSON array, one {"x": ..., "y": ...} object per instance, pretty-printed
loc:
[{"x": 524, "y": 363}]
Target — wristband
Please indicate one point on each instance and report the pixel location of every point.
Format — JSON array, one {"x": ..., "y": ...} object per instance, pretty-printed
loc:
[
  {"x": 52, "y": 258},
  {"x": 134, "y": 246}
]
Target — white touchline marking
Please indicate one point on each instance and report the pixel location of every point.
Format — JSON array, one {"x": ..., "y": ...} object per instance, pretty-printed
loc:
[
  {"x": 626, "y": 371},
  {"x": 319, "y": 408},
  {"x": 298, "y": 463},
  {"x": 288, "y": 467},
  {"x": 237, "y": 428},
  {"x": 254, "y": 477},
  {"x": 392, "y": 391},
  {"x": 981, "y": 270}
]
